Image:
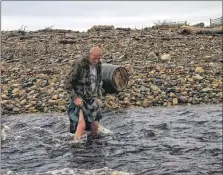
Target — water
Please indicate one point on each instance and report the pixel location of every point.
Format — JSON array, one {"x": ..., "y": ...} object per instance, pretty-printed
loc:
[{"x": 179, "y": 140}]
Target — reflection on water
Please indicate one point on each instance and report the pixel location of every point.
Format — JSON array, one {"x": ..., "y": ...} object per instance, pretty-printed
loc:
[{"x": 180, "y": 140}]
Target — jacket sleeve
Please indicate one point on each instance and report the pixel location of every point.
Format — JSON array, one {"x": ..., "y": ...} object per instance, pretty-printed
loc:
[
  {"x": 70, "y": 79},
  {"x": 100, "y": 90},
  {"x": 100, "y": 86}
]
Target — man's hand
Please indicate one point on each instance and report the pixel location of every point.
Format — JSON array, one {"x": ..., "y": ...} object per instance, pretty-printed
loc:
[
  {"x": 99, "y": 102},
  {"x": 78, "y": 102}
]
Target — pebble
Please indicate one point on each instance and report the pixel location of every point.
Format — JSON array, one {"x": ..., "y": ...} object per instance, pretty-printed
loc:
[
  {"x": 199, "y": 70},
  {"x": 154, "y": 88},
  {"x": 152, "y": 56},
  {"x": 166, "y": 57},
  {"x": 207, "y": 89}
]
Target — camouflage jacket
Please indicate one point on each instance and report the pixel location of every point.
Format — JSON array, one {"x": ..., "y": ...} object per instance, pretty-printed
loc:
[{"x": 77, "y": 81}]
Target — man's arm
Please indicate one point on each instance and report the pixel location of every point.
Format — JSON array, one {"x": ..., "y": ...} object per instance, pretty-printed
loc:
[
  {"x": 100, "y": 90},
  {"x": 71, "y": 78}
]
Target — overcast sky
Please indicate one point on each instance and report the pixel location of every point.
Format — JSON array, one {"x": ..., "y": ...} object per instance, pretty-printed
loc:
[{"x": 83, "y": 15}]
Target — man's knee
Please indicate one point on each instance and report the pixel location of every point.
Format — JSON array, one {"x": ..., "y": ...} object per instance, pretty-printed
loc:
[{"x": 95, "y": 126}]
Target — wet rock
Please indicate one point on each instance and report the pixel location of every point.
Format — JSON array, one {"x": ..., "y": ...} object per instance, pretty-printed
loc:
[
  {"x": 16, "y": 109},
  {"x": 175, "y": 101},
  {"x": 146, "y": 103},
  {"x": 9, "y": 107},
  {"x": 182, "y": 99},
  {"x": 149, "y": 133},
  {"x": 127, "y": 103},
  {"x": 45, "y": 109},
  {"x": 62, "y": 108},
  {"x": 162, "y": 126}
]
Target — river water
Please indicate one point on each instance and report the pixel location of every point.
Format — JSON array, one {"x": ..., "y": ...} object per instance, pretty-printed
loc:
[{"x": 176, "y": 140}]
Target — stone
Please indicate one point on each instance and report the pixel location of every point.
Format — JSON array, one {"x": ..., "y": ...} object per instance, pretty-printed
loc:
[
  {"x": 154, "y": 88},
  {"x": 146, "y": 103},
  {"x": 4, "y": 102},
  {"x": 172, "y": 94},
  {"x": 127, "y": 103},
  {"x": 166, "y": 57},
  {"x": 138, "y": 103},
  {"x": 23, "y": 102},
  {"x": 207, "y": 57},
  {"x": 197, "y": 77},
  {"x": 15, "y": 85},
  {"x": 199, "y": 70},
  {"x": 45, "y": 109},
  {"x": 9, "y": 107},
  {"x": 4, "y": 97},
  {"x": 15, "y": 91},
  {"x": 62, "y": 108},
  {"x": 53, "y": 102},
  {"x": 61, "y": 102},
  {"x": 175, "y": 101},
  {"x": 16, "y": 109},
  {"x": 143, "y": 89},
  {"x": 182, "y": 99},
  {"x": 55, "y": 97},
  {"x": 207, "y": 89},
  {"x": 211, "y": 64},
  {"x": 152, "y": 56}
]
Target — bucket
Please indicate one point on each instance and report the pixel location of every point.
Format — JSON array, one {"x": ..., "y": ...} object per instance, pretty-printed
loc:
[{"x": 115, "y": 78}]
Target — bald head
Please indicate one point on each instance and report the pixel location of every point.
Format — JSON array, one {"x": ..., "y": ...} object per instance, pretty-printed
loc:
[
  {"x": 95, "y": 55},
  {"x": 95, "y": 50}
]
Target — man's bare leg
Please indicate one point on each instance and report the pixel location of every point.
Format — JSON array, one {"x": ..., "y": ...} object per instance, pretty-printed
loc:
[
  {"x": 80, "y": 127},
  {"x": 95, "y": 127}
]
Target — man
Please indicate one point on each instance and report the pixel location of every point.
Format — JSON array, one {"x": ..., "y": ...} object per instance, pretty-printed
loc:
[{"x": 83, "y": 84}]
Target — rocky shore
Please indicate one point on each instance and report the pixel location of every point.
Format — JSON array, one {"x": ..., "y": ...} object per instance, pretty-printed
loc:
[{"x": 165, "y": 67}]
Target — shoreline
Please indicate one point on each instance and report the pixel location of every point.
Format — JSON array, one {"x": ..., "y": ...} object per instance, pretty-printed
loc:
[{"x": 166, "y": 68}]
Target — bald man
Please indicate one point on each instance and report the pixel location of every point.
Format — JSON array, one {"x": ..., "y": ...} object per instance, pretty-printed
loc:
[{"x": 83, "y": 84}]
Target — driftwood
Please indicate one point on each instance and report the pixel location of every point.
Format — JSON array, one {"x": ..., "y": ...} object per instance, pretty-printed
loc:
[
  {"x": 197, "y": 30},
  {"x": 65, "y": 41},
  {"x": 123, "y": 29}
]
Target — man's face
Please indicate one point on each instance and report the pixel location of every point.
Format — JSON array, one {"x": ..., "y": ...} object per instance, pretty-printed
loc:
[{"x": 95, "y": 57}]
